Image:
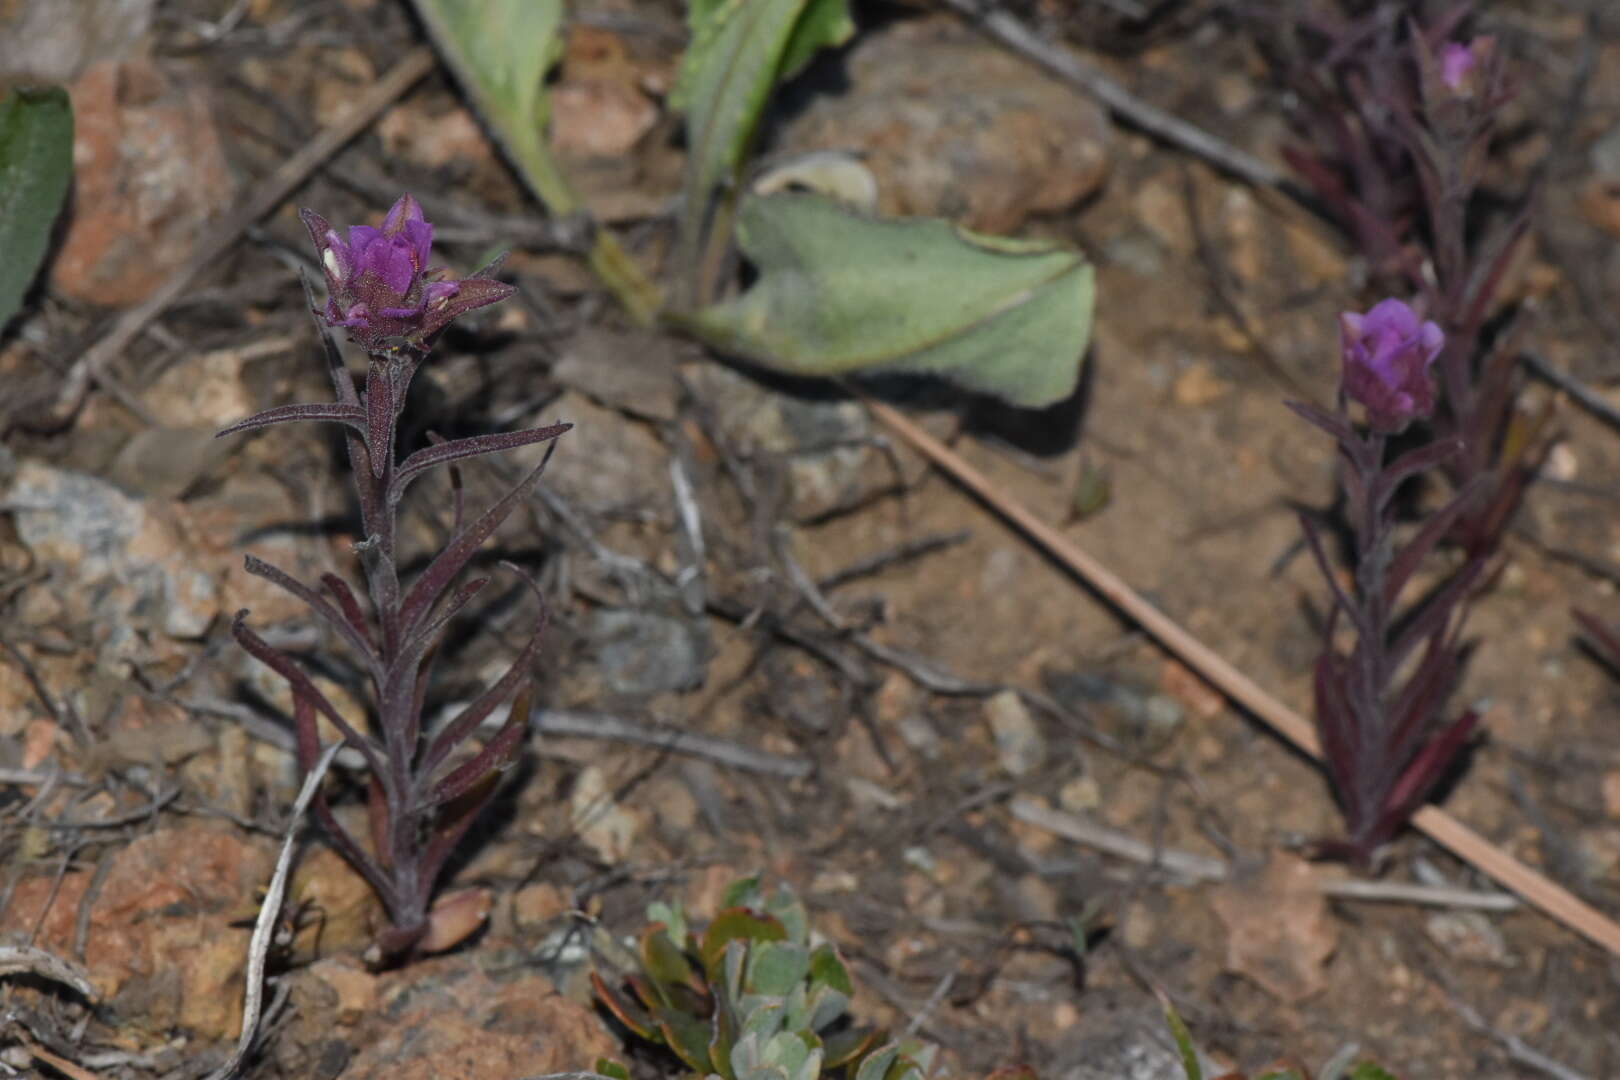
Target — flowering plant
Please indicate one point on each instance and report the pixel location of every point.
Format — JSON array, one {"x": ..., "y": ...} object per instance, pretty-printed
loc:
[
  {"x": 1397, "y": 112},
  {"x": 1375, "y": 712},
  {"x": 422, "y": 797}
]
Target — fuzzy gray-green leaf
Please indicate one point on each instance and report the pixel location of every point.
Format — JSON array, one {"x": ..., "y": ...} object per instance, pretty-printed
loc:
[
  {"x": 36, "y": 164},
  {"x": 733, "y": 62},
  {"x": 500, "y": 51},
  {"x": 840, "y": 292}
]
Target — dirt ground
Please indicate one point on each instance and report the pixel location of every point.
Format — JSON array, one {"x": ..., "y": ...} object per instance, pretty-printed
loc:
[{"x": 902, "y": 676}]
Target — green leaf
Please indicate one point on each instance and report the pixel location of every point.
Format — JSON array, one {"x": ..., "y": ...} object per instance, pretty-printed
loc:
[
  {"x": 36, "y": 164},
  {"x": 744, "y": 892},
  {"x": 633, "y": 1016},
  {"x": 876, "y": 1065},
  {"x": 1184, "y": 1044},
  {"x": 840, "y": 292},
  {"x": 688, "y": 1037},
  {"x": 612, "y": 1069},
  {"x": 824, "y": 24},
  {"x": 1368, "y": 1071},
  {"x": 736, "y": 924},
  {"x": 785, "y": 907},
  {"x": 500, "y": 51},
  {"x": 775, "y": 968},
  {"x": 843, "y": 1047},
  {"x": 662, "y": 960},
  {"x": 826, "y": 966},
  {"x": 673, "y": 918},
  {"x": 740, "y": 50}
]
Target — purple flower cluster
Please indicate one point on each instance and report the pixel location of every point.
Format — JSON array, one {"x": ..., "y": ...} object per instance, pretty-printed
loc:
[
  {"x": 380, "y": 287},
  {"x": 1460, "y": 62},
  {"x": 1387, "y": 355}
]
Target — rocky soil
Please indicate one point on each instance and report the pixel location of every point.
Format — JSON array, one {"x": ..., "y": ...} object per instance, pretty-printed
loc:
[{"x": 901, "y": 695}]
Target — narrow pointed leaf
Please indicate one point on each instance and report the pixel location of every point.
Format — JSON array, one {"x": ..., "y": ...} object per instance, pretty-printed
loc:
[
  {"x": 304, "y": 725},
  {"x": 631, "y": 1015},
  {"x": 299, "y": 413},
  {"x": 839, "y": 292},
  {"x": 346, "y": 602},
  {"x": 1313, "y": 540},
  {"x": 460, "y": 817},
  {"x": 377, "y": 817},
  {"x": 1427, "y": 768},
  {"x": 1423, "y": 695},
  {"x": 1410, "y": 464},
  {"x": 469, "y": 718},
  {"x": 1407, "y": 560},
  {"x": 283, "y": 665},
  {"x": 1601, "y": 635},
  {"x": 1437, "y": 613},
  {"x": 1335, "y": 426},
  {"x": 36, "y": 165},
  {"x": 1183, "y": 1040},
  {"x": 496, "y": 756},
  {"x": 443, "y": 453},
  {"x": 336, "y": 369},
  {"x": 739, "y": 50},
  {"x": 500, "y": 51},
  {"x": 401, "y": 681},
  {"x": 317, "y": 603},
  {"x": 1337, "y": 725},
  {"x": 456, "y": 554}
]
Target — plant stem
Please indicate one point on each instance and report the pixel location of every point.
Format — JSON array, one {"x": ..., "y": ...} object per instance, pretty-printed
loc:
[{"x": 636, "y": 292}]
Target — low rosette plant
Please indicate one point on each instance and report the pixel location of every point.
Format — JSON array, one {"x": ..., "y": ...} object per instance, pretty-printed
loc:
[{"x": 424, "y": 792}]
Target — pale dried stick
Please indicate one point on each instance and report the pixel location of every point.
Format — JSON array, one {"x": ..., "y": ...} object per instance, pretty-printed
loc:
[
  {"x": 264, "y": 931},
  {"x": 1196, "y": 867},
  {"x": 1434, "y": 822}
]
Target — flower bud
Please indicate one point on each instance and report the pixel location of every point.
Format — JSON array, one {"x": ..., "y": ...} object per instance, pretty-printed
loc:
[
  {"x": 380, "y": 288},
  {"x": 1387, "y": 354}
]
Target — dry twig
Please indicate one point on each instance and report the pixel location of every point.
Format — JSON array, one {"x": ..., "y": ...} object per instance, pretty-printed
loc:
[
  {"x": 269, "y": 913},
  {"x": 1206, "y": 868},
  {"x": 1007, "y": 29},
  {"x": 28, "y": 960}
]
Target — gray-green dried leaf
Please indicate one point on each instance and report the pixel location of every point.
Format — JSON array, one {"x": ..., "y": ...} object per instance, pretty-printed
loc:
[{"x": 840, "y": 292}]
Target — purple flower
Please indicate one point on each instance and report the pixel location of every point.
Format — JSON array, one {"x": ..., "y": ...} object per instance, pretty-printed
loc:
[
  {"x": 1456, "y": 61},
  {"x": 380, "y": 288},
  {"x": 1387, "y": 354}
]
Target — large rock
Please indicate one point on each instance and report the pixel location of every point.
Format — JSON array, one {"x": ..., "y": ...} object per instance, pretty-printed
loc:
[
  {"x": 149, "y": 179},
  {"x": 163, "y": 947},
  {"x": 137, "y": 567},
  {"x": 53, "y": 41},
  {"x": 445, "y": 1018},
  {"x": 955, "y": 128}
]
